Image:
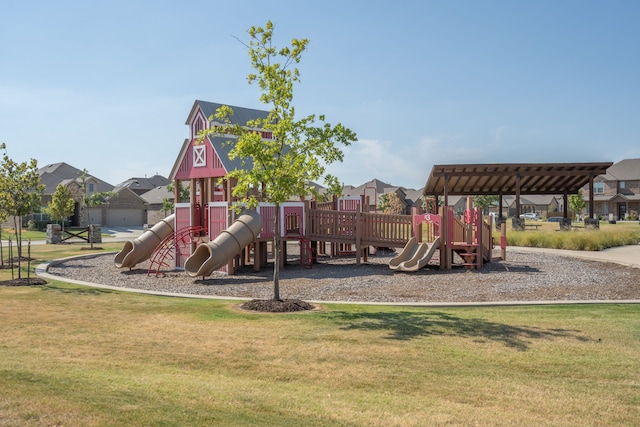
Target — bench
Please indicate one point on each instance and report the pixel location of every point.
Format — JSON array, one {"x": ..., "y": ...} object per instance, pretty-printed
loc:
[{"x": 533, "y": 225}]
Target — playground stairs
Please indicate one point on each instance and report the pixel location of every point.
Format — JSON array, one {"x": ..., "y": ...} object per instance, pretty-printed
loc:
[
  {"x": 470, "y": 254},
  {"x": 165, "y": 254}
]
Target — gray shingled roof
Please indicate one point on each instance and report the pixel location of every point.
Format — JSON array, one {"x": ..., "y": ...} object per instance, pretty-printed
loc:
[
  {"x": 57, "y": 173},
  {"x": 241, "y": 115},
  {"x": 146, "y": 184},
  {"x": 624, "y": 170},
  {"x": 157, "y": 195},
  {"x": 223, "y": 147}
]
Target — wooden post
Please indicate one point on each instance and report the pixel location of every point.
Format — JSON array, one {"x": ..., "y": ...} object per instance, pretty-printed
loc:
[
  {"x": 503, "y": 241},
  {"x": 257, "y": 255},
  {"x": 470, "y": 221},
  {"x": 358, "y": 236},
  {"x": 445, "y": 264}
]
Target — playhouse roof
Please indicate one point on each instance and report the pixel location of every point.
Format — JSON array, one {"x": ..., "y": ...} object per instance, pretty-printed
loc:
[
  {"x": 241, "y": 115},
  {"x": 505, "y": 178}
]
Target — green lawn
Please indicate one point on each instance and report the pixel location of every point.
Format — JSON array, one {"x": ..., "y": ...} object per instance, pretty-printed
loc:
[{"x": 78, "y": 356}]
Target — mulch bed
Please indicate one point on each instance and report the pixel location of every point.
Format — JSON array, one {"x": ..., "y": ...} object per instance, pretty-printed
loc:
[
  {"x": 31, "y": 281},
  {"x": 277, "y": 306},
  {"x": 22, "y": 281}
]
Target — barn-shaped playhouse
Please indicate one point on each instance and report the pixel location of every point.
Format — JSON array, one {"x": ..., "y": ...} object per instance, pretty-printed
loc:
[{"x": 205, "y": 235}]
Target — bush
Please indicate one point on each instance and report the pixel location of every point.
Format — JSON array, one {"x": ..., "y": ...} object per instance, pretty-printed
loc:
[{"x": 587, "y": 240}]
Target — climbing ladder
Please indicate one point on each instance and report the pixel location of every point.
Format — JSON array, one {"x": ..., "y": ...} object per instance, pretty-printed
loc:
[{"x": 165, "y": 254}]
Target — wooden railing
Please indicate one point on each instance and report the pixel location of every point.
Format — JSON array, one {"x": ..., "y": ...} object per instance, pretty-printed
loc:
[{"x": 360, "y": 229}]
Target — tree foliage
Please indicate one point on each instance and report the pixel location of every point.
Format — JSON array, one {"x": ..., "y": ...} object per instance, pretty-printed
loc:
[
  {"x": 485, "y": 202},
  {"x": 20, "y": 192},
  {"x": 91, "y": 200},
  {"x": 390, "y": 203},
  {"x": 576, "y": 202},
  {"x": 62, "y": 204},
  {"x": 300, "y": 148}
]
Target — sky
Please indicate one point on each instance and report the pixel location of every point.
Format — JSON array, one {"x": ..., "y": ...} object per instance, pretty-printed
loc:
[{"x": 106, "y": 85}]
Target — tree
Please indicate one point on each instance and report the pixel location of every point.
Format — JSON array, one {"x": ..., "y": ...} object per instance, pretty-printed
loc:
[
  {"x": 576, "y": 202},
  {"x": 428, "y": 202},
  {"x": 390, "y": 203},
  {"x": 20, "y": 193},
  {"x": 485, "y": 202},
  {"x": 91, "y": 200},
  {"x": 299, "y": 150},
  {"x": 183, "y": 196},
  {"x": 62, "y": 204}
]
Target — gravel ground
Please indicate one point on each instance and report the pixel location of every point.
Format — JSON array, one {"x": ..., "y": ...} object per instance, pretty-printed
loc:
[{"x": 522, "y": 277}]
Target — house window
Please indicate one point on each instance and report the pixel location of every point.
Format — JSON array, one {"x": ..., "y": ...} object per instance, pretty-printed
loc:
[
  {"x": 621, "y": 184},
  {"x": 90, "y": 187},
  {"x": 598, "y": 187}
]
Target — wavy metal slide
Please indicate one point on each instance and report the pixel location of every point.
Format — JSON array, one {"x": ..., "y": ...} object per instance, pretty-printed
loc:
[
  {"x": 138, "y": 250},
  {"x": 211, "y": 256},
  {"x": 414, "y": 255}
]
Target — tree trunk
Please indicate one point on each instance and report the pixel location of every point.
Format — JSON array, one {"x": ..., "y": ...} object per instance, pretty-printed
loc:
[
  {"x": 1, "y": 249},
  {"x": 278, "y": 254},
  {"x": 18, "y": 231}
]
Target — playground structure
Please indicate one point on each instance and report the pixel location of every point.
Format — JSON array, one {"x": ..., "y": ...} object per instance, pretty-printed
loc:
[
  {"x": 203, "y": 236},
  {"x": 226, "y": 241}
]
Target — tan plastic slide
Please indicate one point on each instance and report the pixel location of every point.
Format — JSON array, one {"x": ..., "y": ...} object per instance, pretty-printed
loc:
[
  {"x": 211, "y": 256},
  {"x": 414, "y": 256},
  {"x": 138, "y": 250}
]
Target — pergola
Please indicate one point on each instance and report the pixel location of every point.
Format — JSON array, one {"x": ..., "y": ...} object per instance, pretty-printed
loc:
[{"x": 514, "y": 179}]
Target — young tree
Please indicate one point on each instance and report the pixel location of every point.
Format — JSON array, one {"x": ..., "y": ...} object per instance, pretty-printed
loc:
[
  {"x": 91, "y": 200},
  {"x": 20, "y": 193},
  {"x": 299, "y": 150},
  {"x": 576, "y": 202},
  {"x": 485, "y": 202},
  {"x": 62, "y": 204},
  {"x": 3, "y": 218}
]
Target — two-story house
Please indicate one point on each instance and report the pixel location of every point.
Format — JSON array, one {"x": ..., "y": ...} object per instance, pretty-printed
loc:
[{"x": 617, "y": 193}]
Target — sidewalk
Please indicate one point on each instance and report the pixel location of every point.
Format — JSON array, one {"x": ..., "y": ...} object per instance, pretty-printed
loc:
[{"x": 624, "y": 255}]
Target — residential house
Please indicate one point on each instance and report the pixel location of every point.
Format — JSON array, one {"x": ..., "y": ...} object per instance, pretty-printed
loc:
[
  {"x": 375, "y": 188},
  {"x": 617, "y": 192},
  {"x": 143, "y": 185},
  {"x": 545, "y": 205},
  {"x": 126, "y": 208},
  {"x": 155, "y": 203}
]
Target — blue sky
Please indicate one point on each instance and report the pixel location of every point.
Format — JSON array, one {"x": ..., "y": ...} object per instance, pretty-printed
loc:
[{"x": 107, "y": 85}]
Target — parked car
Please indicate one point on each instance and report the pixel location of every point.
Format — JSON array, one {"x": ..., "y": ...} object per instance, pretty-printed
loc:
[
  {"x": 530, "y": 215},
  {"x": 554, "y": 219}
]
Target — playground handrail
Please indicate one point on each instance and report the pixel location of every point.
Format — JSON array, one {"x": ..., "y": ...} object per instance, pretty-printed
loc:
[{"x": 362, "y": 229}]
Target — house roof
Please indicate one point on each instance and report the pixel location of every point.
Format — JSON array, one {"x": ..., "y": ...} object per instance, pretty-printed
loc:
[
  {"x": 144, "y": 184},
  {"x": 504, "y": 178},
  {"x": 624, "y": 170},
  {"x": 531, "y": 199},
  {"x": 157, "y": 195},
  {"x": 62, "y": 173}
]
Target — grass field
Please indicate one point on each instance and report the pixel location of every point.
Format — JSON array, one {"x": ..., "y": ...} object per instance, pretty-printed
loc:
[{"x": 78, "y": 356}]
